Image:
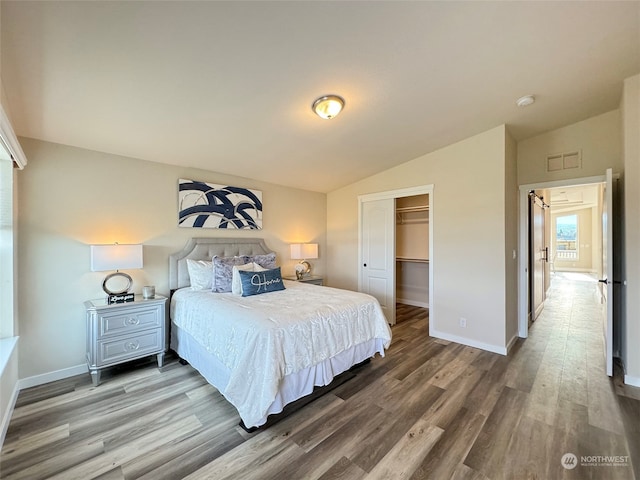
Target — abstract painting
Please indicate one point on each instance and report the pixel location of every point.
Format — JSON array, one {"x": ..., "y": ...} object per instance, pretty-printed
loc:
[{"x": 206, "y": 205}]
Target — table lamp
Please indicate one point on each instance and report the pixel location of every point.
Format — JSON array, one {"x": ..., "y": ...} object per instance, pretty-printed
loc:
[
  {"x": 116, "y": 257},
  {"x": 302, "y": 252}
]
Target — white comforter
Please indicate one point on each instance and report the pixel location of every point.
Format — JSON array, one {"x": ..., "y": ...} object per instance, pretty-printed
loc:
[{"x": 262, "y": 338}]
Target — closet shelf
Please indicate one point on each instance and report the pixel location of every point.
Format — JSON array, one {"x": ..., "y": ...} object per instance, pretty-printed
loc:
[
  {"x": 402, "y": 211},
  {"x": 414, "y": 260}
]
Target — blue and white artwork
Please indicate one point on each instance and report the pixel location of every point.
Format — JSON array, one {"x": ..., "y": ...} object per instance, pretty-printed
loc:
[{"x": 205, "y": 205}]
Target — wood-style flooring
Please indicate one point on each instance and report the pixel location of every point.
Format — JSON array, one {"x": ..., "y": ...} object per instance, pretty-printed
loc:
[{"x": 429, "y": 409}]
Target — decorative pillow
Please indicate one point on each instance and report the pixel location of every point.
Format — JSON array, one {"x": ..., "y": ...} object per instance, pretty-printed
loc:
[
  {"x": 236, "y": 283},
  {"x": 223, "y": 272},
  {"x": 255, "y": 283},
  {"x": 265, "y": 261},
  {"x": 200, "y": 274}
]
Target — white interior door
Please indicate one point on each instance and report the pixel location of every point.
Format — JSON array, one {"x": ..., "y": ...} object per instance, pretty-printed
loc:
[
  {"x": 377, "y": 268},
  {"x": 606, "y": 283}
]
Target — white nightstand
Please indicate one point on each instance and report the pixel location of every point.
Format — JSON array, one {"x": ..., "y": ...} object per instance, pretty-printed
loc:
[
  {"x": 310, "y": 279},
  {"x": 121, "y": 332}
]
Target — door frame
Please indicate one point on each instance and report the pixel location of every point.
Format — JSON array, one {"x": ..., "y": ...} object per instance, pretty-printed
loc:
[
  {"x": 523, "y": 236},
  {"x": 393, "y": 194}
]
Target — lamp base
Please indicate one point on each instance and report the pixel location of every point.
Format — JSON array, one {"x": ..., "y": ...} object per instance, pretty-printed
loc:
[
  {"x": 302, "y": 269},
  {"x": 117, "y": 289}
]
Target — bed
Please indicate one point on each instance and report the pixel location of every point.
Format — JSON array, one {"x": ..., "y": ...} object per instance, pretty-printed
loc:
[{"x": 265, "y": 351}]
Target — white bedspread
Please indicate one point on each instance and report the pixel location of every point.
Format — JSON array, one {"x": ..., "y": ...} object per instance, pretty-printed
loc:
[{"x": 262, "y": 338}]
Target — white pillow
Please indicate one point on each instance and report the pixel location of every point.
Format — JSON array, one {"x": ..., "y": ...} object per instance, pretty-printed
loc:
[
  {"x": 236, "y": 282},
  {"x": 200, "y": 274}
]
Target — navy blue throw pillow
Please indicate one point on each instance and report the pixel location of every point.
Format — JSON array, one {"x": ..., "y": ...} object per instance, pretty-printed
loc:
[{"x": 255, "y": 283}]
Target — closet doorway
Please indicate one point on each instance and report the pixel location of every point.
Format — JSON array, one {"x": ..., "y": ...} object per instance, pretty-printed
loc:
[
  {"x": 412, "y": 250},
  {"x": 395, "y": 252}
]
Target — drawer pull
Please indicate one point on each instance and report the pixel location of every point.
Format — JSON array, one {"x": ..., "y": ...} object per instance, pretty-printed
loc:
[
  {"x": 132, "y": 346},
  {"x": 132, "y": 321}
]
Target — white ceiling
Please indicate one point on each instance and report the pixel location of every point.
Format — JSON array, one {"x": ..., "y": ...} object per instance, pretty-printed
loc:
[
  {"x": 568, "y": 199},
  {"x": 227, "y": 86}
]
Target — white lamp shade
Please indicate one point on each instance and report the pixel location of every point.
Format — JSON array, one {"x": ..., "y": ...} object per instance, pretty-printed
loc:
[
  {"x": 115, "y": 257},
  {"x": 304, "y": 251}
]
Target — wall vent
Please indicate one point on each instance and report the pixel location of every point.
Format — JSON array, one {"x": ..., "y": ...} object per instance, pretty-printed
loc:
[{"x": 564, "y": 161}]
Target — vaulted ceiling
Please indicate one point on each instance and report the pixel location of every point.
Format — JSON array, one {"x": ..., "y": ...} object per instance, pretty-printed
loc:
[{"x": 228, "y": 86}]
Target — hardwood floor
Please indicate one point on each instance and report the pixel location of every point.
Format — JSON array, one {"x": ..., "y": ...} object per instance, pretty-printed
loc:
[{"x": 428, "y": 409}]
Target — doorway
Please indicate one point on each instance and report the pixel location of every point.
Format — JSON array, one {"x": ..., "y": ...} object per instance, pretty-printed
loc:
[
  {"x": 579, "y": 230},
  {"x": 412, "y": 251},
  {"x": 377, "y": 255}
]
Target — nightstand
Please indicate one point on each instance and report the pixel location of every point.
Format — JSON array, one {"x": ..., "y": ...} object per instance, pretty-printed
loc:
[
  {"x": 310, "y": 279},
  {"x": 121, "y": 332}
]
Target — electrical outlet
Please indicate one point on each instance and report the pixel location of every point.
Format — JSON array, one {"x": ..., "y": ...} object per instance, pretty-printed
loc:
[{"x": 463, "y": 322}]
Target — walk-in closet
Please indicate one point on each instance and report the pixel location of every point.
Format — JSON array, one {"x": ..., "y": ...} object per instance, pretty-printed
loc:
[{"x": 412, "y": 250}]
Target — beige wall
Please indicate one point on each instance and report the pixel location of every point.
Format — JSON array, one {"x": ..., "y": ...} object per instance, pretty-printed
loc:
[
  {"x": 412, "y": 283},
  {"x": 631, "y": 154},
  {"x": 71, "y": 198},
  {"x": 468, "y": 219},
  {"x": 598, "y": 138}
]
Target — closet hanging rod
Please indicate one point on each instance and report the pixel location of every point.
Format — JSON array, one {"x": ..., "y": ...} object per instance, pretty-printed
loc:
[
  {"x": 417, "y": 208},
  {"x": 406, "y": 221},
  {"x": 412, "y": 260}
]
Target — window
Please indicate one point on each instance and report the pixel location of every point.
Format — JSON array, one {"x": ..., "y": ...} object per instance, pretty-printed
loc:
[
  {"x": 6, "y": 248},
  {"x": 567, "y": 238},
  {"x": 11, "y": 155}
]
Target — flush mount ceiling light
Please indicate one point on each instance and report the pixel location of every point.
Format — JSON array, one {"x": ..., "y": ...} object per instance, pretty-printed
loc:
[
  {"x": 328, "y": 106},
  {"x": 525, "y": 101}
]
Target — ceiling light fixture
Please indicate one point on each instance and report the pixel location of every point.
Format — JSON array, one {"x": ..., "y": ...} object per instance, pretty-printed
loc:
[
  {"x": 525, "y": 101},
  {"x": 328, "y": 106}
]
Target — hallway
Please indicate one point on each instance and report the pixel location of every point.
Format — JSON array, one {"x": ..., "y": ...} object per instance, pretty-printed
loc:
[{"x": 579, "y": 397}]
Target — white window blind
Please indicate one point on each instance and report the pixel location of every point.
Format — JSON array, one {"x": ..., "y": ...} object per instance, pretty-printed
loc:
[{"x": 6, "y": 248}]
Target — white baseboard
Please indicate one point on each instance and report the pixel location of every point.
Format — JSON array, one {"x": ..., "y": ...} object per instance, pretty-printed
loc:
[
  {"x": 466, "y": 341},
  {"x": 52, "y": 376},
  {"x": 7, "y": 415},
  {"x": 633, "y": 381},
  {"x": 413, "y": 303},
  {"x": 512, "y": 342}
]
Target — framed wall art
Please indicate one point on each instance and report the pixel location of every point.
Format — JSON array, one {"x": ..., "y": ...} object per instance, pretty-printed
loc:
[{"x": 207, "y": 205}]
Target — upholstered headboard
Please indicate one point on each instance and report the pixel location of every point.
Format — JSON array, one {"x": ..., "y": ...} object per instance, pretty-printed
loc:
[{"x": 205, "y": 249}]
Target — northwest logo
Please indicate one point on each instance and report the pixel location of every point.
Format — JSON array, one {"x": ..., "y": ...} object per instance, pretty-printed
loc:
[{"x": 569, "y": 461}]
